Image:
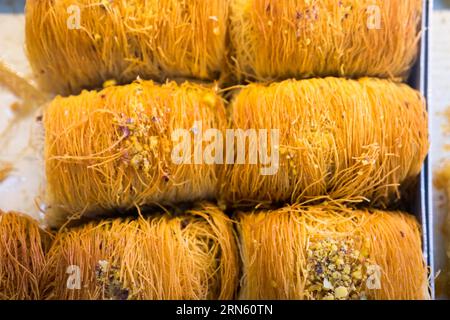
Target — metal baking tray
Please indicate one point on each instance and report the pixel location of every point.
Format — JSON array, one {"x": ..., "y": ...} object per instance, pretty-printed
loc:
[{"x": 422, "y": 206}]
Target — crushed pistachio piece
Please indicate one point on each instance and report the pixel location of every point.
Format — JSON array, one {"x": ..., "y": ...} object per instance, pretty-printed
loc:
[{"x": 341, "y": 292}]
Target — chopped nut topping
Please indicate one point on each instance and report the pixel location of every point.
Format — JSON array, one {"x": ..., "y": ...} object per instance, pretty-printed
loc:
[
  {"x": 336, "y": 270},
  {"x": 108, "y": 278},
  {"x": 141, "y": 145}
]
